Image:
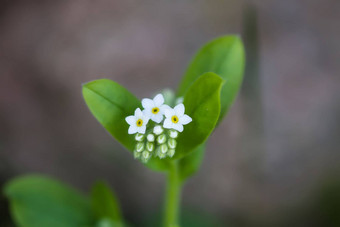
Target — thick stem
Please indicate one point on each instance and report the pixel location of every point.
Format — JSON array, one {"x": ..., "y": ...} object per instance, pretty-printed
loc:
[{"x": 173, "y": 197}]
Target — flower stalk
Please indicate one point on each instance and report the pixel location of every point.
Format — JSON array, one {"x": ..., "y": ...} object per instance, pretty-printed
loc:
[{"x": 173, "y": 196}]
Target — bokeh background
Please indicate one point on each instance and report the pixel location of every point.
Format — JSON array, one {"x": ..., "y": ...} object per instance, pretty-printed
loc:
[{"x": 274, "y": 161}]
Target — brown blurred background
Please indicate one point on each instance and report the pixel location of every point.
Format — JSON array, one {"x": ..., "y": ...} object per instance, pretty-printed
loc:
[{"x": 274, "y": 161}]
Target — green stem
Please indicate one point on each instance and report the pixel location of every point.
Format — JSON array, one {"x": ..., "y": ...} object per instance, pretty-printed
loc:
[{"x": 173, "y": 197}]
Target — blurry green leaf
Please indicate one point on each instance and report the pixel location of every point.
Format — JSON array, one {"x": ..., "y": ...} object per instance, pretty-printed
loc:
[
  {"x": 37, "y": 201},
  {"x": 111, "y": 103},
  {"x": 105, "y": 204},
  {"x": 107, "y": 223},
  {"x": 190, "y": 164},
  {"x": 223, "y": 56},
  {"x": 202, "y": 104}
]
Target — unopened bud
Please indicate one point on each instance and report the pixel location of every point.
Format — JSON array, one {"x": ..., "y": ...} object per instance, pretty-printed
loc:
[
  {"x": 173, "y": 134},
  {"x": 158, "y": 130},
  {"x": 161, "y": 155},
  {"x": 136, "y": 154},
  {"x": 146, "y": 155},
  {"x": 171, "y": 152},
  {"x": 139, "y": 137},
  {"x": 139, "y": 147},
  {"x": 151, "y": 137},
  {"x": 172, "y": 143},
  {"x": 161, "y": 139},
  {"x": 164, "y": 148},
  {"x": 150, "y": 146}
]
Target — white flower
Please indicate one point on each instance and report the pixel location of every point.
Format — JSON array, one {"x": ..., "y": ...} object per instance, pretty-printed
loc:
[
  {"x": 175, "y": 118},
  {"x": 137, "y": 122},
  {"x": 154, "y": 109}
]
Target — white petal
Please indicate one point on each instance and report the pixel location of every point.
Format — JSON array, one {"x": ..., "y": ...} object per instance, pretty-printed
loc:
[
  {"x": 178, "y": 127},
  {"x": 169, "y": 112},
  {"x": 147, "y": 112},
  {"x": 179, "y": 109},
  {"x": 142, "y": 129},
  {"x": 157, "y": 117},
  {"x": 145, "y": 120},
  {"x": 185, "y": 119},
  {"x": 138, "y": 113},
  {"x": 167, "y": 123},
  {"x": 132, "y": 129},
  {"x": 158, "y": 100},
  {"x": 164, "y": 107},
  {"x": 147, "y": 103},
  {"x": 130, "y": 120}
]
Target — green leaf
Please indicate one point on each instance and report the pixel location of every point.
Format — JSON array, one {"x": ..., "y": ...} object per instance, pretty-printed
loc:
[
  {"x": 157, "y": 164},
  {"x": 191, "y": 163},
  {"x": 107, "y": 223},
  {"x": 223, "y": 56},
  {"x": 202, "y": 104},
  {"x": 105, "y": 204},
  {"x": 37, "y": 201},
  {"x": 111, "y": 103}
]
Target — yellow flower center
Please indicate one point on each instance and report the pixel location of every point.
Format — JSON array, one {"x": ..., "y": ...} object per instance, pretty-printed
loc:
[
  {"x": 155, "y": 110},
  {"x": 174, "y": 119},
  {"x": 139, "y": 122}
]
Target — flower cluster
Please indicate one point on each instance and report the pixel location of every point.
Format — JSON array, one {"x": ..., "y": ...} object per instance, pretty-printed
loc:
[{"x": 158, "y": 136}]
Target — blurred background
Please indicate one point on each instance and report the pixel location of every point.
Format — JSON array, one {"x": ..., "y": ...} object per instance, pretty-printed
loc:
[{"x": 274, "y": 161}]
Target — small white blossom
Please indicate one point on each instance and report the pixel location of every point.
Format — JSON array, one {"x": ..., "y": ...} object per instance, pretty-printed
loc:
[
  {"x": 146, "y": 155},
  {"x": 171, "y": 152},
  {"x": 139, "y": 147},
  {"x": 172, "y": 143},
  {"x": 154, "y": 108},
  {"x": 164, "y": 148},
  {"x": 150, "y": 146},
  {"x": 173, "y": 134},
  {"x": 175, "y": 118},
  {"x": 139, "y": 137},
  {"x": 158, "y": 130},
  {"x": 161, "y": 139},
  {"x": 151, "y": 137},
  {"x": 137, "y": 122}
]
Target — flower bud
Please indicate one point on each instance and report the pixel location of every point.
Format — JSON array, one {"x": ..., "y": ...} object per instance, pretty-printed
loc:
[
  {"x": 158, "y": 130},
  {"x": 139, "y": 147},
  {"x": 160, "y": 154},
  {"x": 161, "y": 139},
  {"x": 171, "y": 152},
  {"x": 163, "y": 148},
  {"x": 173, "y": 134},
  {"x": 139, "y": 137},
  {"x": 151, "y": 137},
  {"x": 172, "y": 143},
  {"x": 150, "y": 146},
  {"x": 145, "y": 156},
  {"x": 136, "y": 154}
]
